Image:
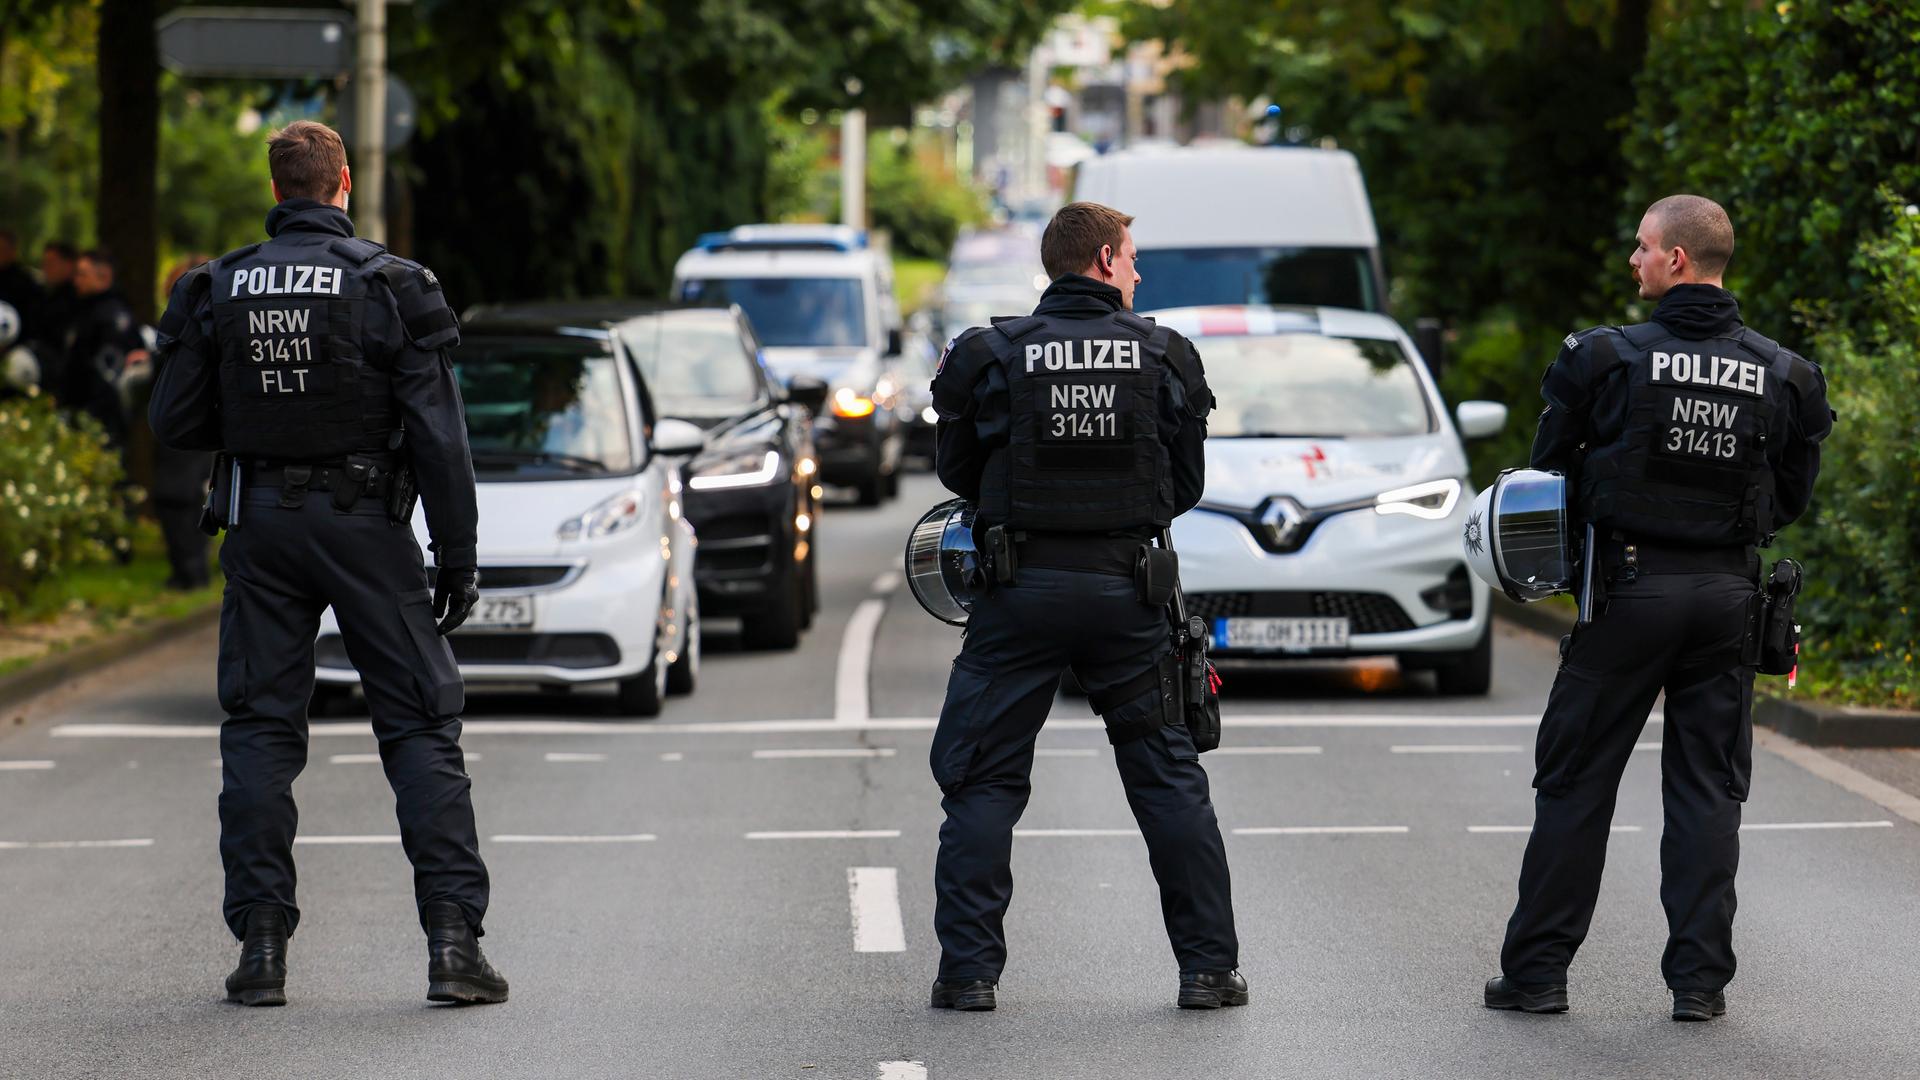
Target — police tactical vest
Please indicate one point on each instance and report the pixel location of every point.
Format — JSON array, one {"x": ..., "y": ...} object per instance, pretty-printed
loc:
[
  {"x": 1690, "y": 464},
  {"x": 301, "y": 379},
  {"x": 1084, "y": 451}
]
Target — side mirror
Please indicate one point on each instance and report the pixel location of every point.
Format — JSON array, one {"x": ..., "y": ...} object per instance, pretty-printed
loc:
[
  {"x": 807, "y": 392},
  {"x": 896, "y": 342},
  {"x": 677, "y": 438},
  {"x": 1480, "y": 419},
  {"x": 1429, "y": 336}
]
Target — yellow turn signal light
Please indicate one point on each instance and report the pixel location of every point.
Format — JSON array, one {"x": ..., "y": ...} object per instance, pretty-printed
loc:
[{"x": 851, "y": 405}]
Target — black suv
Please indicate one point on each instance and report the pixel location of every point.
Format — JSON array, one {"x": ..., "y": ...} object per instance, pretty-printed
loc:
[{"x": 753, "y": 495}]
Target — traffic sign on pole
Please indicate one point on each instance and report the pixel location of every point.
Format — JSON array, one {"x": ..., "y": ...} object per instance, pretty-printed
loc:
[{"x": 266, "y": 43}]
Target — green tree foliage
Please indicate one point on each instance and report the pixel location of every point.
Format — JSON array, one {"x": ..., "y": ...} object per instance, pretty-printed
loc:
[
  {"x": 917, "y": 199},
  {"x": 58, "y": 506}
]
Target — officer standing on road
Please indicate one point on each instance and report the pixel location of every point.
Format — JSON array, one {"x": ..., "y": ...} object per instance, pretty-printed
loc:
[
  {"x": 1687, "y": 442},
  {"x": 317, "y": 362},
  {"x": 1078, "y": 431}
]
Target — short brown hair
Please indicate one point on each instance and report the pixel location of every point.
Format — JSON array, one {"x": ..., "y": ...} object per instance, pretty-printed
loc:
[
  {"x": 305, "y": 159},
  {"x": 1699, "y": 225},
  {"x": 1076, "y": 234}
]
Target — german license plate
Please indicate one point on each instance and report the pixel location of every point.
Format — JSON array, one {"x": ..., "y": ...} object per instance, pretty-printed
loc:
[
  {"x": 501, "y": 613},
  {"x": 1280, "y": 635}
]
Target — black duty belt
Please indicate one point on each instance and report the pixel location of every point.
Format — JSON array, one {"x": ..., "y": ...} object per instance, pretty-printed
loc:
[
  {"x": 320, "y": 478},
  {"x": 1090, "y": 552},
  {"x": 1661, "y": 557}
]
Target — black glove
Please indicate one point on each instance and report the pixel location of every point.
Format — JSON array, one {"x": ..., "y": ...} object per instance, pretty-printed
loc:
[{"x": 455, "y": 590}]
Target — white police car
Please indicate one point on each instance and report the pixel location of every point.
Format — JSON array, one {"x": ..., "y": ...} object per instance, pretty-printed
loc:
[
  {"x": 1336, "y": 495},
  {"x": 586, "y": 561}
]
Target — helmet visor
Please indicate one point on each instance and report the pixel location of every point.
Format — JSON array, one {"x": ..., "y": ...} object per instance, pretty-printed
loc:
[
  {"x": 941, "y": 559},
  {"x": 1530, "y": 534}
]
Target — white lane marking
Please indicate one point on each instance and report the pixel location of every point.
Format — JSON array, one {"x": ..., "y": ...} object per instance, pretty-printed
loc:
[
  {"x": 1267, "y": 750},
  {"x": 353, "y": 759},
  {"x": 1781, "y": 826},
  {"x": 21, "y": 765},
  {"x": 1065, "y": 751},
  {"x": 873, "y": 892},
  {"x": 1076, "y": 832},
  {"x": 674, "y": 756},
  {"x": 1459, "y": 748},
  {"x": 349, "y": 728},
  {"x": 887, "y": 582},
  {"x": 827, "y": 834},
  {"x": 1835, "y": 772},
  {"x": 1321, "y": 830},
  {"x": 563, "y": 757},
  {"x": 826, "y": 752},
  {"x": 1529, "y": 828},
  {"x": 903, "y": 1070},
  {"x": 532, "y": 838},
  {"x": 368, "y": 839},
  {"x": 1647, "y": 745},
  {"x": 49, "y": 845},
  {"x": 850, "y": 704}
]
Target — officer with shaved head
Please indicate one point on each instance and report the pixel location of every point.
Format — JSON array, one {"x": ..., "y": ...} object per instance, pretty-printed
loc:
[{"x": 1688, "y": 442}]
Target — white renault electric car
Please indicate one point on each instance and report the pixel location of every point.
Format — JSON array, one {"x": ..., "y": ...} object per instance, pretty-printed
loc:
[
  {"x": 1336, "y": 494},
  {"x": 586, "y": 561}
]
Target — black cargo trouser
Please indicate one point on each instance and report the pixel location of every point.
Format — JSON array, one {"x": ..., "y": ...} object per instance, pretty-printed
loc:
[
  {"x": 1019, "y": 639},
  {"x": 283, "y": 568},
  {"x": 1680, "y": 632}
]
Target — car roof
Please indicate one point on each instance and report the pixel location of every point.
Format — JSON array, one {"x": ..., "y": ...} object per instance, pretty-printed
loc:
[
  {"x": 572, "y": 318},
  {"x": 1234, "y": 196},
  {"x": 787, "y": 235},
  {"x": 1264, "y": 320},
  {"x": 776, "y": 263}
]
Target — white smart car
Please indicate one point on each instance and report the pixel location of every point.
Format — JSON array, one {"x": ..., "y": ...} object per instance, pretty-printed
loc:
[
  {"x": 1336, "y": 494},
  {"x": 586, "y": 562}
]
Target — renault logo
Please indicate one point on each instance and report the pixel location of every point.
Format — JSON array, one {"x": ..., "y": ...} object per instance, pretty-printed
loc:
[{"x": 1283, "y": 523}]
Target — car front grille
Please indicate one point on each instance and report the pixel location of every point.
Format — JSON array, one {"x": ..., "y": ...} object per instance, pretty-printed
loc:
[
  {"x": 1366, "y": 612},
  {"x": 517, "y": 577},
  {"x": 503, "y": 650}
]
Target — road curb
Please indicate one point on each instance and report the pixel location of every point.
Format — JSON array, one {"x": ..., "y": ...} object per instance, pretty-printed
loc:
[
  {"x": 64, "y": 666},
  {"x": 1809, "y": 722}
]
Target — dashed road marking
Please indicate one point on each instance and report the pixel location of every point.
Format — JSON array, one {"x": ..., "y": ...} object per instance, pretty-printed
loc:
[
  {"x": 1528, "y": 828},
  {"x": 21, "y": 765},
  {"x": 51, "y": 845},
  {"x": 353, "y": 759},
  {"x": 850, "y": 702},
  {"x": 1786, "y": 826},
  {"x": 1258, "y": 750},
  {"x": 873, "y": 892},
  {"x": 1075, "y": 832},
  {"x": 362, "y": 839},
  {"x": 673, "y": 756},
  {"x": 1321, "y": 830},
  {"x": 1458, "y": 748},
  {"x": 827, "y": 834},
  {"x": 533, "y": 838},
  {"x": 826, "y": 752},
  {"x": 563, "y": 757},
  {"x": 903, "y": 1070},
  {"x": 887, "y": 582}
]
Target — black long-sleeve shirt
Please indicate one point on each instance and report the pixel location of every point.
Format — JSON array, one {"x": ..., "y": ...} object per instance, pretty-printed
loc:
[
  {"x": 976, "y": 418},
  {"x": 185, "y": 410},
  {"x": 1586, "y": 407}
]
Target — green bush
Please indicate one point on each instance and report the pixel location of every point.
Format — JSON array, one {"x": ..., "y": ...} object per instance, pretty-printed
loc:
[
  {"x": 59, "y": 507},
  {"x": 917, "y": 200}
]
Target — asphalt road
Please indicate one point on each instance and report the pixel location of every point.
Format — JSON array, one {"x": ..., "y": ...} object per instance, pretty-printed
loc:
[{"x": 715, "y": 894}]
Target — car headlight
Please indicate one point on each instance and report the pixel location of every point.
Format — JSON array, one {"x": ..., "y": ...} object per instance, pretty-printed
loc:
[
  {"x": 851, "y": 405},
  {"x": 736, "y": 471},
  {"x": 615, "y": 515},
  {"x": 1432, "y": 500}
]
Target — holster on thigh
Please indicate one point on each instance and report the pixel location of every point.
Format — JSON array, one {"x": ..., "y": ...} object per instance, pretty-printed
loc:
[{"x": 1143, "y": 704}]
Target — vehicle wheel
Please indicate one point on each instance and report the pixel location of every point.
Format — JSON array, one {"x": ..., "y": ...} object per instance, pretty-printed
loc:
[
  {"x": 1470, "y": 673},
  {"x": 872, "y": 489},
  {"x": 813, "y": 582},
  {"x": 330, "y": 699},
  {"x": 684, "y": 673},
  {"x": 778, "y": 626},
  {"x": 645, "y": 693}
]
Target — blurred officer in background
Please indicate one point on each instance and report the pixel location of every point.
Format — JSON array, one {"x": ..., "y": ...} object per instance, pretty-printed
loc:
[
  {"x": 180, "y": 489},
  {"x": 59, "y": 261},
  {"x": 1077, "y": 432},
  {"x": 19, "y": 289},
  {"x": 102, "y": 339},
  {"x": 1687, "y": 442},
  {"x": 317, "y": 362}
]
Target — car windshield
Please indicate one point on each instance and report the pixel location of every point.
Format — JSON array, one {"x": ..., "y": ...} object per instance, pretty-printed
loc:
[
  {"x": 697, "y": 369},
  {"x": 1306, "y": 385},
  {"x": 791, "y": 312},
  {"x": 1195, "y": 277},
  {"x": 543, "y": 411}
]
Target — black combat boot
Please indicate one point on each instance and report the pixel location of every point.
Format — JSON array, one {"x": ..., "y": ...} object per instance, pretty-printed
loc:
[
  {"x": 967, "y": 995},
  {"x": 1212, "y": 989},
  {"x": 456, "y": 968},
  {"x": 1504, "y": 993},
  {"x": 1698, "y": 1004},
  {"x": 261, "y": 978}
]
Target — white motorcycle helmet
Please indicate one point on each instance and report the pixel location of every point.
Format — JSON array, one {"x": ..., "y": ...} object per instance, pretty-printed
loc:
[{"x": 1516, "y": 536}]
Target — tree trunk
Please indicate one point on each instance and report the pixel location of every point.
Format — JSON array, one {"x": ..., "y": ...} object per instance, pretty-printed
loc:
[{"x": 126, "y": 215}]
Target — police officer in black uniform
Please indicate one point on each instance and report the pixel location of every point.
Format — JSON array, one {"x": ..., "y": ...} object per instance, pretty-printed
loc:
[
  {"x": 1688, "y": 441},
  {"x": 1078, "y": 431},
  {"x": 317, "y": 362}
]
